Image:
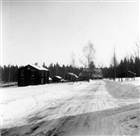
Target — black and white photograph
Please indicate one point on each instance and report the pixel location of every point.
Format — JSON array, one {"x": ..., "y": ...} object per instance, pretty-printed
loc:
[{"x": 69, "y": 68}]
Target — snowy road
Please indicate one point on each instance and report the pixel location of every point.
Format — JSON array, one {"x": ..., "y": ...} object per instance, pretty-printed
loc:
[{"x": 100, "y": 107}]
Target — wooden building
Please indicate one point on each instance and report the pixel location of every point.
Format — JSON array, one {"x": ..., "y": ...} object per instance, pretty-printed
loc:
[
  {"x": 32, "y": 75},
  {"x": 56, "y": 79},
  {"x": 87, "y": 74},
  {"x": 71, "y": 77},
  {"x": 84, "y": 75},
  {"x": 97, "y": 74}
]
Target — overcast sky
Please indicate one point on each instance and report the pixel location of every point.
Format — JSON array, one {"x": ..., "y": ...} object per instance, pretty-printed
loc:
[{"x": 50, "y": 31}]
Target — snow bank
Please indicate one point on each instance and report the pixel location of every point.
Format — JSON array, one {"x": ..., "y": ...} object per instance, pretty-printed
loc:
[
  {"x": 127, "y": 89},
  {"x": 133, "y": 81}
]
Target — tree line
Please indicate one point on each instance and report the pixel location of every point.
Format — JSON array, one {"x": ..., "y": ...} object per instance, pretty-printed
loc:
[
  {"x": 128, "y": 67},
  {"x": 10, "y": 73}
]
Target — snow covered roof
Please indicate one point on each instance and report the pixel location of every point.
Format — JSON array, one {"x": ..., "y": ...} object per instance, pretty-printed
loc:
[
  {"x": 97, "y": 70},
  {"x": 83, "y": 74},
  {"x": 73, "y": 75},
  {"x": 58, "y": 77},
  {"x": 38, "y": 67},
  {"x": 50, "y": 78},
  {"x": 42, "y": 68}
]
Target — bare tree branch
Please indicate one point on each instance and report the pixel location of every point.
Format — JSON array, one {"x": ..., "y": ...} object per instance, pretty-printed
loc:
[
  {"x": 137, "y": 44},
  {"x": 73, "y": 61},
  {"x": 88, "y": 52}
]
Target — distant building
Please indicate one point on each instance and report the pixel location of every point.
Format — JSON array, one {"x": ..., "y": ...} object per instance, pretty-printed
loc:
[
  {"x": 56, "y": 79},
  {"x": 97, "y": 74},
  {"x": 32, "y": 75},
  {"x": 84, "y": 75},
  {"x": 94, "y": 74},
  {"x": 71, "y": 77}
]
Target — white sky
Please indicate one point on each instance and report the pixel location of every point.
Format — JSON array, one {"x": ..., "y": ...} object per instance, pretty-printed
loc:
[{"x": 50, "y": 31}]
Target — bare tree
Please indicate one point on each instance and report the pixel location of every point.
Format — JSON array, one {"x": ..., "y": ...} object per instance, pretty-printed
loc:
[
  {"x": 114, "y": 63},
  {"x": 73, "y": 62},
  {"x": 88, "y": 52},
  {"x": 88, "y": 56},
  {"x": 137, "y": 56},
  {"x": 137, "y": 48}
]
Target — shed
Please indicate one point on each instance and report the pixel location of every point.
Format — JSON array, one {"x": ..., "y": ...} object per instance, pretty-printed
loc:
[
  {"x": 56, "y": 79},
  {"x": 87, "y": 74},
  {"x": 32, "y": 75},
  {"x": 84, "y": 75},
  {"x": 71, "y": 77},
  {"x": 97, "y": 74}
]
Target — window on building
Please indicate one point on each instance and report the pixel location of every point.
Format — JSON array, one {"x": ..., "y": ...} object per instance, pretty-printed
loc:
[
  {"x": 42, "y": 73},
  {"x": 32, "y": 73},
  {"x": 22, "y": 73},
  {"x": 46, "y": 74}
]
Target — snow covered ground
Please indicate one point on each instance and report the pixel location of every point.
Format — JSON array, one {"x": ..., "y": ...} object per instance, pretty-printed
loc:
[
  {"x": 133, "y": 81},
  {"x": 100, "y": 107}
]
